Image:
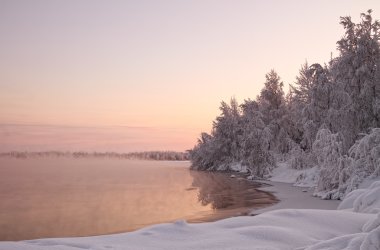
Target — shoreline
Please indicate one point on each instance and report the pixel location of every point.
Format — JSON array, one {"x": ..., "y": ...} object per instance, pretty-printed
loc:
[
  {"x": 349, "y": 227},
  {"x": 293, "y": 197},
  {"x": 81, "y": 198},
  {"x": 285, "y": 196}
]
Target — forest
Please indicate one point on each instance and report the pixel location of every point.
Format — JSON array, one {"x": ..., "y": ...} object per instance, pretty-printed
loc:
[{"x": 329, "y": 119}]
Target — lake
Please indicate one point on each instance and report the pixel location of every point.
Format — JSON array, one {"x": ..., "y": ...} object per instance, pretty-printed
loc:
[{"x": 65, "y": 197}]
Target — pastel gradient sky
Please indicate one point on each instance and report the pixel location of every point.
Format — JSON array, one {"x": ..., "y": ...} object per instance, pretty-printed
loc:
[{"x": 143, "y": 75}]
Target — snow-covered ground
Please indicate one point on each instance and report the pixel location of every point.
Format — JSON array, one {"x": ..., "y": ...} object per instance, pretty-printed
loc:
[
  {"x": 293, "y": 197},
  {"x": 300, "y": 178},
  {"x": 355, "y": 225}
]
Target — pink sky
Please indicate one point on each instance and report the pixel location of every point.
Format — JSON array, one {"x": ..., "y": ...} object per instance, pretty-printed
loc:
[{"x": 73, "y": 73}]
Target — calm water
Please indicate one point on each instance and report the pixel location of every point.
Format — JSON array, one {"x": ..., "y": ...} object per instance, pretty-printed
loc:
[{"x": 60, "y": 197}]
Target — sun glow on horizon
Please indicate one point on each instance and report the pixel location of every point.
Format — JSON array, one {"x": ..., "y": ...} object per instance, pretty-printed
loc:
[{"x": 164, "y": 65}]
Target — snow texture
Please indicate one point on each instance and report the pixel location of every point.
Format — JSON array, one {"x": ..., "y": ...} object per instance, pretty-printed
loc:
[{"x": 300, "y": 178}]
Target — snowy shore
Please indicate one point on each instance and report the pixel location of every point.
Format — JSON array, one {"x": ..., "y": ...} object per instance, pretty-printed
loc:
[
  {"x": 355, "y": 225},
  {"x": 292, "y": 197}
]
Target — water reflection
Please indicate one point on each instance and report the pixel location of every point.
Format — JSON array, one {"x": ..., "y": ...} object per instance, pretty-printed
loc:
[
  {"x": 223, "y": 192},
  {"x": 57, "y": 197}
]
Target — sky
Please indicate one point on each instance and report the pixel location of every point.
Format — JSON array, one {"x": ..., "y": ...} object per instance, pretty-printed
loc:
[{"x": 148, "y": 75}]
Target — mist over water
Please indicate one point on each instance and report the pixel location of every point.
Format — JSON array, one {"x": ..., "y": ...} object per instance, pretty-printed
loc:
[
  {"x": 59, "y": 197},
  {"x": 24, "y": 137}
]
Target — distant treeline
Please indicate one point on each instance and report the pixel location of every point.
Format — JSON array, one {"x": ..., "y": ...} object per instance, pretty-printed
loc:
[{"x": 147, "y": 155}]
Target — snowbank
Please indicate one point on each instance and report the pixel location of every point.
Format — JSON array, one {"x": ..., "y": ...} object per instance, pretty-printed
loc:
[
  {"x": 300, "y": 178},
  {"x": 363, "y": 200},
  {"x": 355, "y": 226}
]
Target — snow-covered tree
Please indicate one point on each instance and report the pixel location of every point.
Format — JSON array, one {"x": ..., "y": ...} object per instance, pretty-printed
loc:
[
  {"x": 273, "y": 107},
  {"x": 328, "y": 150},
  {"x": 298, "y": 98},
  {"x": 204, "y": 155},
  {"x": 356, "y": 70},
  {"x": 315, "y": 111},
  {"x": 301, "y": 89},
  {"x": 226, "y": 131},
  {"x": 255, "y": 141},
  {"x": 272, "y": 99},
  {"x": 330, "y": 118},
  {"x": 222, "y": 148},
  {"x": 340, "y": 173},
  {"x": 366, "y": 153}
]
